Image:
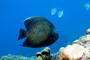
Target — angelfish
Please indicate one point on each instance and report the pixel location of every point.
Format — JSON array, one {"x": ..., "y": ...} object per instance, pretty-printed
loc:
[{"x": 40, "y": 32}]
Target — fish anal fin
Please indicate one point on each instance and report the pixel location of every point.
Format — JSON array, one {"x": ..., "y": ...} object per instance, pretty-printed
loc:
[{"x": 26, "y": 43}]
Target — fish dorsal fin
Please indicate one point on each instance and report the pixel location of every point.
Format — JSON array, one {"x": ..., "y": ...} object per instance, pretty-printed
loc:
[
  {"x": 23, "y": 20},
  {"x": 26, "y": 19}
]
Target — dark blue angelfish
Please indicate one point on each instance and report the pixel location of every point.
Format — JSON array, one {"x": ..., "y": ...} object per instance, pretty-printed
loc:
[{"x": 40, "y": 32}]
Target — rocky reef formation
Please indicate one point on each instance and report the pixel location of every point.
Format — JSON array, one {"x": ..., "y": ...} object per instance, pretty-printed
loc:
[
  {"x": 44, "y": 54},
  {"x": 16, "y": 57}
]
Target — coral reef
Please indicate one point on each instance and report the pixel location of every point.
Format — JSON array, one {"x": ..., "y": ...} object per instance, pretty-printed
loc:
[
  {"x": 14, "y": 57},
  {"x": 79, "y": 50},
  {"x": 72, "y": 52},
  {"x": 44, "y": 54}
]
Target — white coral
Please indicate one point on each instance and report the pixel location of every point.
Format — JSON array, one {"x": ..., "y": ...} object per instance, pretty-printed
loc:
[{"x": 72, "y": 52}]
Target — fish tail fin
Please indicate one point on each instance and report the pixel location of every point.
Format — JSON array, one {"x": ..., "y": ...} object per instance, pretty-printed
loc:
[{"x": 22, "y": 34}]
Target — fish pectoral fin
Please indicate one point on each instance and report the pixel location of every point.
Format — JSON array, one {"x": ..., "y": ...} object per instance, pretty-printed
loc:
[{"x": 26, "y": 43}]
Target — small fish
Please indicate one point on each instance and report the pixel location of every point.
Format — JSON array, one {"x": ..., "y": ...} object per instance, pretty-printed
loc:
[
  {"x": 87, "y": 6},
  {"x": 53, "y": 11},
  {"x": 19, "y": 55},
  {"x": 60, "y": 13}
]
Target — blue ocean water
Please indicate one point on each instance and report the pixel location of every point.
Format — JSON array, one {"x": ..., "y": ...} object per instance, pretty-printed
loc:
[{"x": 73, "y": 24}]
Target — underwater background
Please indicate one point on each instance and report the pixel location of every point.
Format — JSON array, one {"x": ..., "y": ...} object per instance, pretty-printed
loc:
[{"x": 73, "y": 24}]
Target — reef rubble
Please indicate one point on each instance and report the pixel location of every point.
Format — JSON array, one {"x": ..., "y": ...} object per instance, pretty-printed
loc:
[
  {"x": 16, "y": 57},
  {"x": 79, "y": 50}
]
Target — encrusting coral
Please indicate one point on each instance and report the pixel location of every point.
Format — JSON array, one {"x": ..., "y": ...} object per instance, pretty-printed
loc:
[
  {"x": 88, "y": 31},
  {"x": 72, "y": 52},
  {"x": 45, "y": 54},
  {"x": 79, "y": 50},
  {"x": 39, "y": 57}
]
